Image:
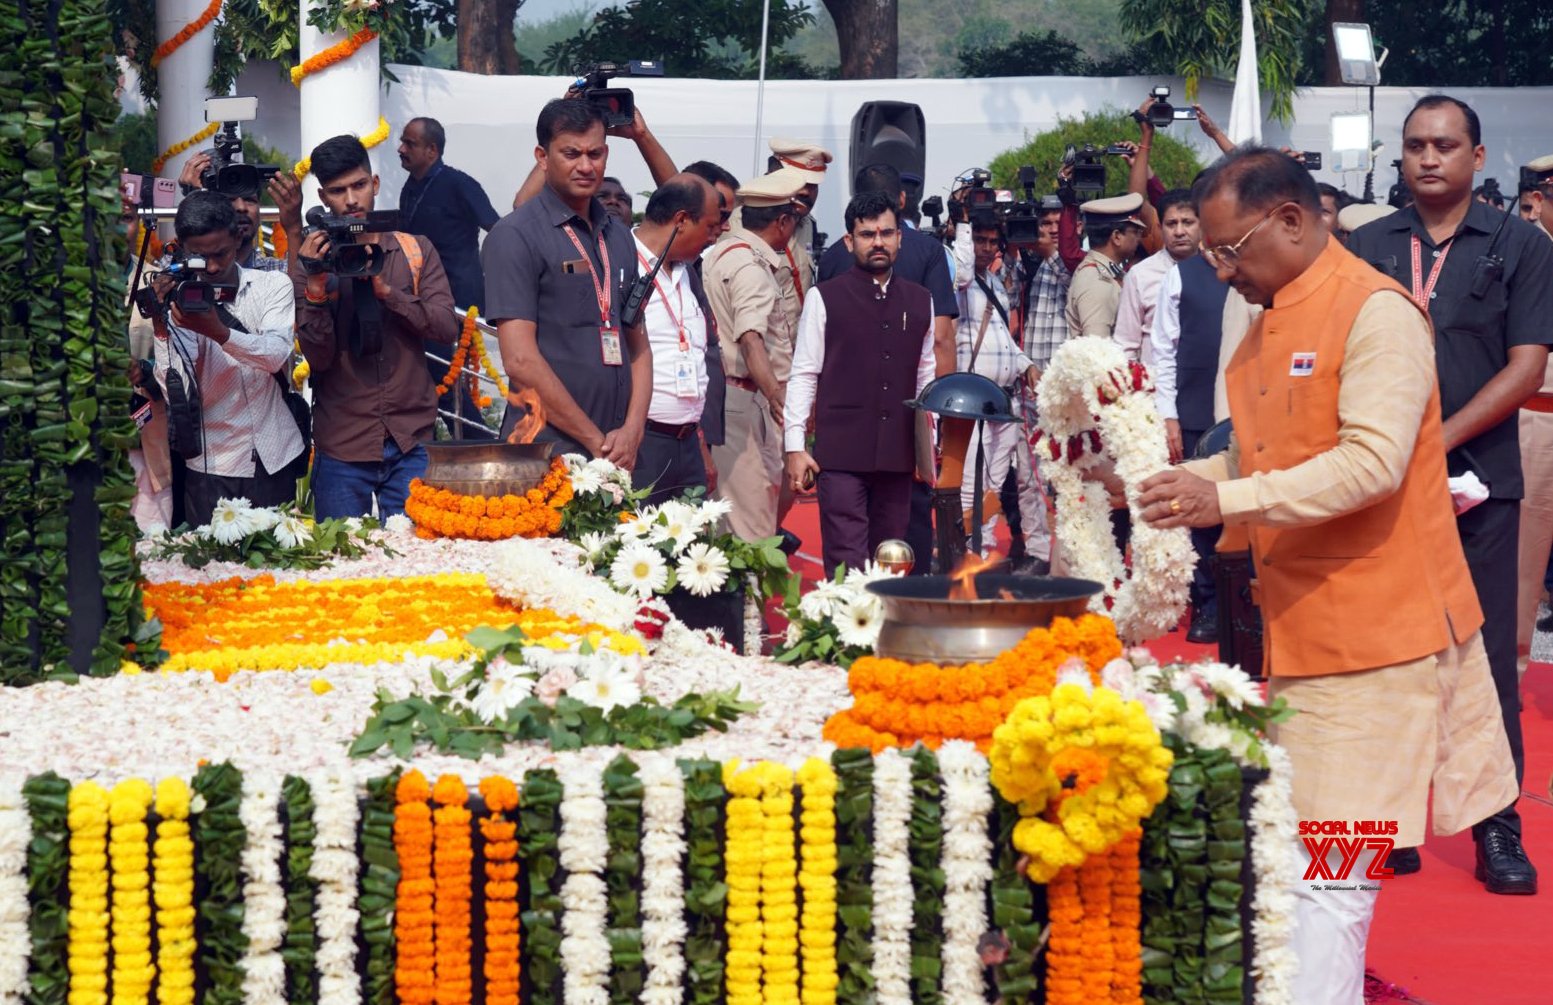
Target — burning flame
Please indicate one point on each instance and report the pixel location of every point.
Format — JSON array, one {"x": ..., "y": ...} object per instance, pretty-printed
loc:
[
  {"x": 962, "y": 585},
  {"x": 528, "y": 427}
]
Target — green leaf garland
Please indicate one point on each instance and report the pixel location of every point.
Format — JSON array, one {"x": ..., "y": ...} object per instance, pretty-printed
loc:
[
  {"x": 301, "y": 946},
  {"x": 706, "y": 891},
  {"x": 854, "y": 872},
  {"x": 927, "y": 877},
  {"x": 48, "y": 865},
  {"x": 219, "y": 840},
  {"x": 539, "y": 828},
  {"x": 1013, "y": 911},
  {"x": 379, "y": 889},
  {"x": 623, "y": 826}
]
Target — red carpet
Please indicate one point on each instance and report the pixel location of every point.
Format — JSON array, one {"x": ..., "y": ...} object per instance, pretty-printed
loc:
[{"x": 1439, "y": 938}]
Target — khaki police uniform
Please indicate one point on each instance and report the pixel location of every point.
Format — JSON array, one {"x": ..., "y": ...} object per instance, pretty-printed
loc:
[
  {"x": 743, "y": 279},
  {"x": 1536, "y": 534},
  {"x": 1095, "y": 293}
]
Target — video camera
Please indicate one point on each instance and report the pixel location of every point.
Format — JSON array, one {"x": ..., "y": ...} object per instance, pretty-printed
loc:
[
  {"x": 345, "y": 257},
  {"x": 191, "y": 292},
  {"x": 1023, "y": 222},
  {"x": 617, "y": 103},
  {"x": 1162, "y": 112},
  {"x": 227, "y": 173},
  {"x": 1088, "y": 170}
]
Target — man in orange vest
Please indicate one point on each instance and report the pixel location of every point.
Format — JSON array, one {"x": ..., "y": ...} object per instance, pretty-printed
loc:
[{"x": 1337, "y": 473}]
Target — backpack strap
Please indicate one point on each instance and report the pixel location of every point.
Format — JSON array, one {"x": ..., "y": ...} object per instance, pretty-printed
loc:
[{"x": 412, "y": 254}]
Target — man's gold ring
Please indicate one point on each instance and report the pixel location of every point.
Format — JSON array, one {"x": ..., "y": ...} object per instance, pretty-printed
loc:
[{"x": 1175, "y": 506}]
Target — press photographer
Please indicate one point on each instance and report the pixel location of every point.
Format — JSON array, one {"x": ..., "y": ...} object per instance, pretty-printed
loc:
[
  {"x": 367, "y": 298},
  {"x": 222, "y": 332}
]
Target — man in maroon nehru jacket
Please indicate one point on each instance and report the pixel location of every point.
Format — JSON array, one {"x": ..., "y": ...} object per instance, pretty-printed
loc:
[{"x": 865, "y": 347}]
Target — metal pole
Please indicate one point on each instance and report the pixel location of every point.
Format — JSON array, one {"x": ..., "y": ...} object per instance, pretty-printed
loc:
[
  {"x": 1369, "y": 178},
  {"x": 760, "y": 88}
]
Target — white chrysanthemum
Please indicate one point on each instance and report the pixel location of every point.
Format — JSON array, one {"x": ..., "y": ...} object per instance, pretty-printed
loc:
[
  {"x": 703, "y": 570},
  {"x": 1120, "y": 676},
  {"x": 607, "y": 685},
  {"x": 505, "y": 687},
  {"x": 872, "y": 572},
  {"x": 399, "y": 524},
  {"x": 858, "y": 623},
  {"x": 593, "y": 545},
  {"x": 713, "y": 510},
  {"x": 230, "y": 521},
  {"x": 639, "y": 569},
  {"x": 817, "y": 605},
  {"x": 264, "y": 518},
  {"x": 293, "y": 532},
  {"x": 1230, "y": 683}
]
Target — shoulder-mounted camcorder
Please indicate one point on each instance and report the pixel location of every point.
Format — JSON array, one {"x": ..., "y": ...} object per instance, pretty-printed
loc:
[{"x": 617, "y": 103}]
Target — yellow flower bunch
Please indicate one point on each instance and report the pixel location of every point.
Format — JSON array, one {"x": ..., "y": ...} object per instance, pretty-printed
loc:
[
  {"x": 817, "y": 878},
  {"x": 133, "y": 971},
  {"x": 1085, "y": 768},
  {"x": 291, "y": 655},
  {"x": 87, "y": 953},
  {"x": 742, "y": 864},
  {"x": 173, "y": 858},
  {"x": 778, "y": 885}
]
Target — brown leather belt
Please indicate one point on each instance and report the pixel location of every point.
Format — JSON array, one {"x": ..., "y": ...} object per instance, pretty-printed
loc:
[
  {"x": 744, "y": 383},
  {"x": 1539, "y": 403},
  {"x": 679, "y": 432}
]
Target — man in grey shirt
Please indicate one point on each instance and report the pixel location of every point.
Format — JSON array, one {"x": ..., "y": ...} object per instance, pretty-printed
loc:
[{"x": 557, "y": 272}]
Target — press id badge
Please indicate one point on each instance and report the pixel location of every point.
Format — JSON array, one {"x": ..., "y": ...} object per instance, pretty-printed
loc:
[
  {"x": 609, "y": 346},
  {"x": 685, "y": 383}
]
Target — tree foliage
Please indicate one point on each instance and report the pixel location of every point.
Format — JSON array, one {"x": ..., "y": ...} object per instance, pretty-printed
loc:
[
  {"x": 1201, "y": 38},
  {"x": 1463, "y": 43},
  {"x": 1173, "y": 161},
  {"x": 710, "y": 38},
  {"x": 1050, "y": 54}
]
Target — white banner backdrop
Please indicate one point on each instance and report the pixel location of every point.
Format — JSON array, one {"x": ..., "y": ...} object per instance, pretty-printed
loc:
[{"x": 490, "y": 122}]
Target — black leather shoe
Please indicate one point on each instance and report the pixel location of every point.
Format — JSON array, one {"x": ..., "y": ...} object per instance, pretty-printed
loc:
[
  {"x": 1502, "y": 865},
  {"x": 1404, "y": 861},
  {"x": 790, "y": 542},
  {"x": 1545, "y": 622},
  {"x": 1205, "y": 627}
]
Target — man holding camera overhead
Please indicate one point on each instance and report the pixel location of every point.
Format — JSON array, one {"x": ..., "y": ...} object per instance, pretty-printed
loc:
[
  {"x": 362, "y": 319},
  {"x": 215, "y": 364}
]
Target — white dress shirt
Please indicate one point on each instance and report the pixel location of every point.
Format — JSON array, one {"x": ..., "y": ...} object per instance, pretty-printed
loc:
[
  {"x": 1135, "y": 315},
  {"x": 1000, "y": 359},
  {"x": 679, "y": 375},
  {"x": 1163, "y": 341},
  {"x": 243, "y": 414},
  {"x": 809, "y": 359}
]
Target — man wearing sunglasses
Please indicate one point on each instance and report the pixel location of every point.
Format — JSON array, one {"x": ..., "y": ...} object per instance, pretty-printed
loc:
[{"x": 1337, "y": 473}]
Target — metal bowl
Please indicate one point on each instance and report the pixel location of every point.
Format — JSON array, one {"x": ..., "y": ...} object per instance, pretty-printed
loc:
[
  {"x": 922, "y": 625},
  {"x": 487, "y": 469}
]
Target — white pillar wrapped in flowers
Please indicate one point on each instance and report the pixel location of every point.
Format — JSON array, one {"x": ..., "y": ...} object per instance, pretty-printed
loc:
[
  {"x": 183, "y": 74},
  {"x": 339, "y": 79}
]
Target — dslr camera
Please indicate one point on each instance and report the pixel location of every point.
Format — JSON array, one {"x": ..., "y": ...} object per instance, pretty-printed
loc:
[
  {"x": 227, "y": 173},
  {"x": 347, "y": 257},
  {"x": 617, "y": 103},
  {"x": 191, "y": 291}
]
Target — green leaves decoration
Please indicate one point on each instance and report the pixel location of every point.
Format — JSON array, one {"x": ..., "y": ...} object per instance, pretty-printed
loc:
[
  {"x": 539, "y": 829},
  {"x": 330, "y": 539},
  {"x": 706, "y": 892},
  {"x": 854, "y": 874},
  {"x": 927, "y": 877},
  {"x": 379, "y": 889},
  {"x": 219, "y": 840},
  {"x": 1014, "y": 912},
  {"x": 48, "y": 866},
  {"x": 301, "y": 946},
  {"x": 622, "y": 873}
]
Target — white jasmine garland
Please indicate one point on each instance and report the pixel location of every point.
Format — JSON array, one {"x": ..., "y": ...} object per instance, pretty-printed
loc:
[
  {"x": 15, "y": 940},
  {"x": 892, "y": 878},
  {"x": 1276, "y": 865},
  {"x": 335, "y": 869},
  {"x": 529, "y": 575},
  {"x": 967, "y": 865},
  {"x": 1090, "y": 411},
  {"x": 264, "y": 899},
  {"x": 754, "y": 617},
  {"x": 583, "y": 848},
  {"x": 663, "y": 879}
]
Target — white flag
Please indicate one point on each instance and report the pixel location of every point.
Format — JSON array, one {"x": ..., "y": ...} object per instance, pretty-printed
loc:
[{"x": 1245, "y": 109}]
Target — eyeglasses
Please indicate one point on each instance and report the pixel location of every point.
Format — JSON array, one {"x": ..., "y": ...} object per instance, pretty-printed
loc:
[{"x": 1227, "y": 256}]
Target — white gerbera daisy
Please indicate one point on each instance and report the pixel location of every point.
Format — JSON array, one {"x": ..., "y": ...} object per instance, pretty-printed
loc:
[
  {"x": 585, "y": 480},
  {"x": 505, "y": 687},
  {"x": 607, "y": 684},
  {"x": 593, "y": 545},
  {"x": 230, "y": 521},
  {"x": 703, "y": 570},
  {"x": 264, "y": 519},
  {"x": 1230, "y": 683},
  {"x": 292, "y": 532},
  {"x": 639, "y": 529},
  {"x": 639, "y": 569},
  {"x": 859, "y": 621},
  {"x": 713, "y": 510},
  {"x": 676, "y": 525}
]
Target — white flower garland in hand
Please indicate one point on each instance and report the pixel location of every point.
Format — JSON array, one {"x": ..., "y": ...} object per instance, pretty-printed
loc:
[
  {"x": 892, "y": 878},
  {"x": 663, "y": 879},
  {"x": 1094, "y": 406},
  {"x": 583, "y": 848},
  {"x": 335, "y": 868},
  {"x": 1276, "y": 864},
  {"x": 15, "y": 940},
  {"x": 967, "y": 865},
  {"x": 264, "y": 899}
]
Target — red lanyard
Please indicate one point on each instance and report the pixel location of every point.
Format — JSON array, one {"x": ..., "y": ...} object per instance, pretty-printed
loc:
[
  {"x": 679, "y": 293},
  {"x": 1424, "y": 292},
  {"x": 600, "y": 290},
  {"x": 792, "y": 266}
]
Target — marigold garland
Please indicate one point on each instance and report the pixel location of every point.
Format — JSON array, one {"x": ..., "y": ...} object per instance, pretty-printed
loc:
[
  {"x": 1126, "y": 922},
  {"x": 502, "y": 936},
  {"x": 185, "y": 33},
  {"x": 162, "y": 158},
  {"x": 336, "y": 53},
  {"x": 1065, "y": 947},
  {"x": 742, "y": 855},
  {"x": 897, "y": 704},
  {"x": 817, "y": 880},
  {"x": 453, "y": 857},
  {"x": 133, "y": 970},
  {"x": 88, "y": 945},
  {"x": 372, "y": 139},
  {"x": 173, "y": 861},
  {"x": 484, "y": 359},
  {"x": 415, "y": 974},
  {"x": 537, "y": 513}
]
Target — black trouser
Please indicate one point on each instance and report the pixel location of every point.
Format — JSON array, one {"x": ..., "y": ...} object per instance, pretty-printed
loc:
[
  {"x": 1490, "y": 536},
  {"x": 1204, "y": 539},
  {"x": 201, "y": 492},
  {"x": 670, "y": 465},
  {"x": 468, "y": 407},
  {"x": 858, "y": 510},
  {"x": 1008, "y": 498},
  {"x": 919, "y": 528}
]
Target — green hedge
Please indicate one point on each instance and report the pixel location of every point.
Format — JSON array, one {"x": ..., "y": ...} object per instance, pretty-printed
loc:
[
  {"x": 69, "y": 597},
  {"x": 1174, "y": 161}
]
